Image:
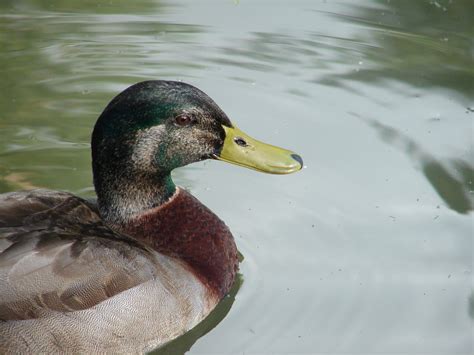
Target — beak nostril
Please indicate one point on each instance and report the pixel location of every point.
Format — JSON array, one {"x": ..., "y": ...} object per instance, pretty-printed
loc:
[
  {"x": 297, "y": 158},
  {"x": 240, "y": 141}
]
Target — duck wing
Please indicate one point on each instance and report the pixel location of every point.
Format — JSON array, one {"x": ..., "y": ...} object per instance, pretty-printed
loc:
[
  {"x": 70, "y": 284},
  {"x": 57, "y": 255}
]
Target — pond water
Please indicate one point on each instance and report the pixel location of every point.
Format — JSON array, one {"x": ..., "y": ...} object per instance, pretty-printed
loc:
[{"x": 370, "y": 248}]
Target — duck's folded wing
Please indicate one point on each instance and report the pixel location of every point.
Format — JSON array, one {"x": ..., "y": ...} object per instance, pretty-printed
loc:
[
  {"x": 56, "y": 255},
  {"x": 16, "y": 206}
]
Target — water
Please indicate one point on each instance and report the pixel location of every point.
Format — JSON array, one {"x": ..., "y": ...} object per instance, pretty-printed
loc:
[{"x": 367, "y": 250}]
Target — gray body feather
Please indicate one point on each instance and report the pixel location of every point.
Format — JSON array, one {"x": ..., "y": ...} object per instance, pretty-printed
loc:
[{"x": 68, "y": 283}]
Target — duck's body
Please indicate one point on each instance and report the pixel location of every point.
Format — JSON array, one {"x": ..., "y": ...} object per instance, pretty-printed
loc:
[
  {"x": 69, "y": 282},
  {"x": 144, "y": 265}
]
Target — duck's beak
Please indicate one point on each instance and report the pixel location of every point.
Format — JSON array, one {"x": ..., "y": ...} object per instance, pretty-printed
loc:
[{"x": 240, "y": 149}]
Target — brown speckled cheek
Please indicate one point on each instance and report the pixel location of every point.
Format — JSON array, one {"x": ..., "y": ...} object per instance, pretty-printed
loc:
[
  {"x": 208, "y": 142},
  {"x": 170, "y": 147},
  {"x": 190, "y": 144},
  {"x": 146, "y": 145}
]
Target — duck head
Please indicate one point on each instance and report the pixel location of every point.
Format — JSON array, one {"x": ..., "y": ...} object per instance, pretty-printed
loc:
[{"x": 154, "y": 127}]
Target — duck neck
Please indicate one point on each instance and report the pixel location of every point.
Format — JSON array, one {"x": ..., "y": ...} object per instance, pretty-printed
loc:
[
  {"x": 170, "y": 220},
  {"x": 122, "y": 196}
]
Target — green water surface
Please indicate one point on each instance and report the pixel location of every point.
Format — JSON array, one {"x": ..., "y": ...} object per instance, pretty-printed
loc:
[{"x": 369, "y": 249}]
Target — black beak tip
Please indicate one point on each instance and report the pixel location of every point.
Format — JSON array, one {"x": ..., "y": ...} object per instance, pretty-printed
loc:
[{"x": 297, "y": 158}]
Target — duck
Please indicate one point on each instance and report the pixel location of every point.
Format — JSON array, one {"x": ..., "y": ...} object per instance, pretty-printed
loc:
[{"x": 145, "y": 261}]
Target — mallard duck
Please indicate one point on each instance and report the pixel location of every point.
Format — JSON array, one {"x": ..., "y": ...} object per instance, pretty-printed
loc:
[{"x": 147, "y": 261}]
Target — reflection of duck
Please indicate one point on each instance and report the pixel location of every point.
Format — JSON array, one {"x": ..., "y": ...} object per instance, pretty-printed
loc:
[{"x": 149, "y": 261}]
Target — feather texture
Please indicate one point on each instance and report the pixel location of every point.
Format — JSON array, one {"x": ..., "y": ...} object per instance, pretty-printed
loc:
[{"x": 62, "y": 270}]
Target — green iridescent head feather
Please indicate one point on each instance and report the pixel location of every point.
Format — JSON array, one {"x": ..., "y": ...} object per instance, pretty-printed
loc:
[{"x": 154, "y": 127}]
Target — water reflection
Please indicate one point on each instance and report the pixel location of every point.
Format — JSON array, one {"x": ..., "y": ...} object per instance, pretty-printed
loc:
[
  {"x": 340, "y": 258},
  {"x": 182, "y": 344},
  {"x": 86, "y": 6},
  {"x": 305, "y": 57},
  {"x": 455, "y": 193},
  {"x": 453, "y": 181},
  {"x": 64, "y": 62},
  {"x": 411, "y": 49},
  {"x": 470, "y": 308}
]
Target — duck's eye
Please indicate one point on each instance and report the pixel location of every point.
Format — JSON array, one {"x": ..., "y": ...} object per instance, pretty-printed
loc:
[{"x": 183, "y": 120}]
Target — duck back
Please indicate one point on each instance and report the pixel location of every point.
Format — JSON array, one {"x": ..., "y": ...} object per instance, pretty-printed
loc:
[{"x": 69, "y": 283}]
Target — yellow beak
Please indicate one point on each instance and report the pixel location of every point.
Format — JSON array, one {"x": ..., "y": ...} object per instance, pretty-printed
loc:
[{"x": 240, "y": 149}]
